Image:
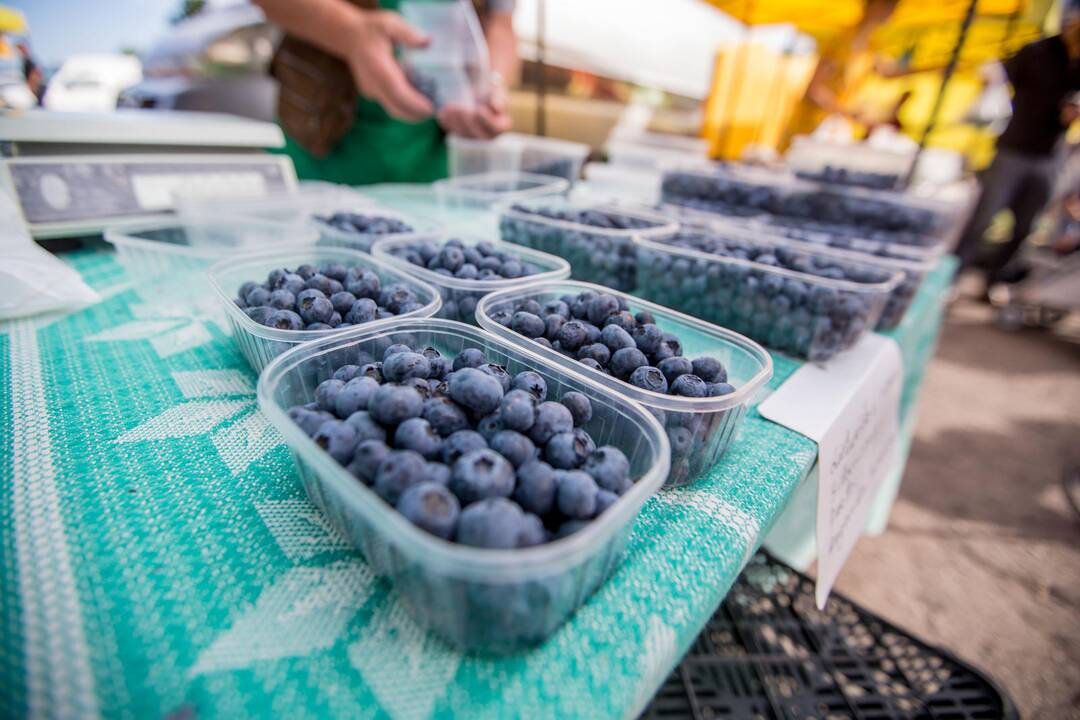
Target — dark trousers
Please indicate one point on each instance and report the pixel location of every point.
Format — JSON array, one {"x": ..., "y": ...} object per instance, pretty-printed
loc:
[{"x": 1022, "y": 183}]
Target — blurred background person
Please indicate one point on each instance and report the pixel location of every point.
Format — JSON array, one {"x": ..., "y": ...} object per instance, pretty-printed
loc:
[
  {"x": 335, "y": 50},
  {"x": 1044, "y": 75}
]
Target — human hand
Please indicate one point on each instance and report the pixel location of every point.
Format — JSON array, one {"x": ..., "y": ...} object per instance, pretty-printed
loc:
[
  {"x": 1070, "y": 111},
  {"x": 377, "y": 74},
  {"x": 484, "y": 121}
]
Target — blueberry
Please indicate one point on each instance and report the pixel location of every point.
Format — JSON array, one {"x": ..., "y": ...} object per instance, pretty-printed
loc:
[
  {"x": 451, "y": 258},
  {"x": 258, "y": 295},
  {"x": 417, "y": 434},
  {"x": 420, "y": 385},
  {"x": 499, "y": 373},
  {"x": 250, "y": 285},
  {"x": 367, "y": 457},
  {"x": 600, "y": 307},
  {"x": 568, "y": 450},
  {"x": 347, "y": 372},
  {"x": 444, "y": 415},
  {"x": 592, "y": 333},
  {"x": 475, "y": 390},
  {"x": 394, "y": 404},
  {"x": 431, "y": 507},
  {"x": 306, "y": 298},
  {"x": 610, "y": 468},
  {"x": 644, "y": 317},
  {"x": 260, "y": 314},
  {"x": 362, "y": 311},
  {"x": 673, "y": 367},
  {"x": 285, "y": 320},
  {"x": 492, "y": 523},
  {"x": 673, "y": 342},
  {"x": 481, "y": 474},
  {"x": 354, "y": 396},
  {"x": 532, "y": 383},
  {"x": 372, "y": 370},
  {"x": 576, "y": 494},
  {"x": 403, "y": 365},
  {"x": 517, "y": 410},
  {"x": 489, "y": 425},
  {"x": 552, "y": 418},
  {"x": 649, "y": 378},
  {"x": 719, "y": 388},
  {"x": 395, "y": 349},
  {"x": 533, "y": 531},
  {"x": 399, "y": 470},
  {"x": 438, "y": 365},
  {"x": 572, "y": 335},
  {"x": 597, "y": 352},
  {"x": 615, "y": 338},
  {"x": 468, "y": 271},
  {"x": 689, "y": 386},
  {"x": 364, "y": 285},
  {"x": 591, "y": 363},
  {"x": 622, "y": 319},
  {"x": 681, "y": 439},
  {"x": 293, "y": 283},
  {"x": 663, "y": 352},
  {"x": 469, "y": 358},
  {"x": 309, "y": 420},
  {"x": 342, "y": 302},
  {"x": 437, "y": 472},
  {"x": 502, "y": 317},
  {"x": 460, "y": 443},
  {"x": 552, "y": 325},
  {"x": 514, "y": 446},
  {"x": 334, "y": 271},
  {"x": 569, "y": 528},
  {"x": 282, "y": 300},
  {"x": 326, "y": 394},
  {"x": 511, "y": 269},
  {"x": 337, "y": 438},
  {"x": 536, "y": 487},
  {"x": 306, "y": 271},
  {"x": 710, "y": 370},
  {"x": 366, "y": 427},
  {"x": 625, "y": 361},
  {"x": 579, "y": 406},
  {"x": 556, "y": 307},
  {"x": 527, "y": 324},
  {"x": 604, "y": 500},
  {"x": 319, "y": 310}
]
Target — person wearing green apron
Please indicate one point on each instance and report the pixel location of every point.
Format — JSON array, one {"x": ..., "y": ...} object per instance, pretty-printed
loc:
[{"x": 350, "y": 115}]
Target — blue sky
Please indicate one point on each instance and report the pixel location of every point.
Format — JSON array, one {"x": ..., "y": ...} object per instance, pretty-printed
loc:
[{"x": 60, "y": 28}]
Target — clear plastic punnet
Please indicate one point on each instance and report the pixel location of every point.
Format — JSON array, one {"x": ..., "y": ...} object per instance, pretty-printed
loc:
[
  {"x": 813, "y": 312},
  {"x": 485, "y": 190},
  {"x": 599, "y": 247},
  {"x": 460, "y": 295},
  {"x": 261, "y": 344},
  {"x": 699, "y": 429},
  {"x": 453, "y": 68},
  {"x": 479, "y": 599},
  {"x": 513, "y": 152}
]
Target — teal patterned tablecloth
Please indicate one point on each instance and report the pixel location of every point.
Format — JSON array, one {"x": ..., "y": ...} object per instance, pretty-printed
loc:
[{"x": 158, "y": 557}]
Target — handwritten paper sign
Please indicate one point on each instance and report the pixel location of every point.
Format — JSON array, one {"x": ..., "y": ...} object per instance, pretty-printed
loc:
[{"x": 850, "y": 407}]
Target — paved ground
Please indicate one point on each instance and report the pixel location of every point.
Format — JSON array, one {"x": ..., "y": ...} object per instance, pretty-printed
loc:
[{"x": 982, "y": 553}]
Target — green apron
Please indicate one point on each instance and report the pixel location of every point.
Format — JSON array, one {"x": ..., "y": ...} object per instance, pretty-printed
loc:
[{"x": 377, "y": 148}]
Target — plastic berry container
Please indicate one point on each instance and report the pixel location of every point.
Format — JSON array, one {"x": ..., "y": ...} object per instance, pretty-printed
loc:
[
  {"x": 485, "y": 190},
  {"x": 453, "y": 67},
  {"x": 699, "y": 429},
  {"x": 798, "y": 313},
  {"x": 261, "y": 344},
  {"x": 913, "y": 262},
  {"x": 606, "y": 256},
  {"x": 460, "y": 296},
  {"x": 512, "y": 152},
  {"x": 495, "y": 601}
]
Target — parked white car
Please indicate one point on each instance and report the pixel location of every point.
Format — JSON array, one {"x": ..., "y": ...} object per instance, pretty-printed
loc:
[{"x": 91, "y": 83}]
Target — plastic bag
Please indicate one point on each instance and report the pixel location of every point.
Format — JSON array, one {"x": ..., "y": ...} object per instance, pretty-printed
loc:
[{"x": 31, "y": 280}]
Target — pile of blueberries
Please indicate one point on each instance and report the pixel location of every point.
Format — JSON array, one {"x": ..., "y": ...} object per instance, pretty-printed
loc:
[
  {"x": 330, "y": 296},
  {"x": 797, "y": 316},
  {"x": 599, "y": 331},
  {"x": 482, "y": 261},
  {"x": 845, "y": 176},
  {"x": 719, "y": 192},
  {"x": 364, "y": 224},
  {"x": 604, "y": 258},
  {"x": 463, "y": 449}
]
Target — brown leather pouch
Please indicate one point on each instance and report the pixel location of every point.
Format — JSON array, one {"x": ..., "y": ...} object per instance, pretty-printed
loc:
[{"x": 317, "y": 94}]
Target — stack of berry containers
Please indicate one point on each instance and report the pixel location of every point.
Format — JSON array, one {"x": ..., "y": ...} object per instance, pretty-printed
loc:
[
  {"x": 259, "y": 343},
  {"x": 913, "y": 262},
  {"x": 806, "y": 304},
  {"x": 699, "y": 429},
  {"x": 512, "y": 152},
  {"x": 735, "y": 190},
  {"x": 491, "y": 600},
  {"x": 484, "y": 191},
  {"x": 596, "y": 238},
  {"x": 461, "y": 291}
]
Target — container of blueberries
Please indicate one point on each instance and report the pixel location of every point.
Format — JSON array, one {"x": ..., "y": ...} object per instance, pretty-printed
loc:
[
  {"x": 913, "y": 262},
  {"x": 697, "y": 379},
  {"x": 511, "y": 152},
  {"x": 495, "y": 490},
  {"x": 464, "y": 269},
  {"x": 808, "y": 304},
  {"x": 596, "y": 238},
  {"x": 483, "y": 191},
  {"x": 452, "y": 68},
  {"x": 280, "y": 299}
]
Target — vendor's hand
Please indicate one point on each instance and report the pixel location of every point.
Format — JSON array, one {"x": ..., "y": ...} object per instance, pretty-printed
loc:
[
  {"x": 378, "y": 75},
  {"x": 1070, "y": 111},
  {"x": 484, "y": 121}
]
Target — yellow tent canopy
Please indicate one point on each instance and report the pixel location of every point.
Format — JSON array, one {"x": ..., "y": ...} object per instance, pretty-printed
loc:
[{"x": 12, "y": 21}]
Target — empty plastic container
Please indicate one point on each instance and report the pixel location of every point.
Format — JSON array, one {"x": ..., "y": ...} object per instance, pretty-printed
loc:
[
  {"x": 476, "y": 598},
  {"x": 699, "y": 429}
]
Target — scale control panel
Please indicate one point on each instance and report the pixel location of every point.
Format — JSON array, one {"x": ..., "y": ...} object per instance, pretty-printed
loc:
[{"x": 74, "y": 195}]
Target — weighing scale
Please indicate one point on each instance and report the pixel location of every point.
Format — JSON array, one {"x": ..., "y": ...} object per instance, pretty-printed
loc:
[{"x": 74, "y": 174}]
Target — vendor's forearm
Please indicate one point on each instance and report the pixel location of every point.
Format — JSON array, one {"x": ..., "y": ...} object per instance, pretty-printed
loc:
[
  {"x": 328, "y": 24},
  {"x": 502, "y": 46}
]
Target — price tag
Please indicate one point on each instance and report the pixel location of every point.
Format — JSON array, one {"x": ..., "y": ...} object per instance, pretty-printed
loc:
[{"x": 850, "y": 407}]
